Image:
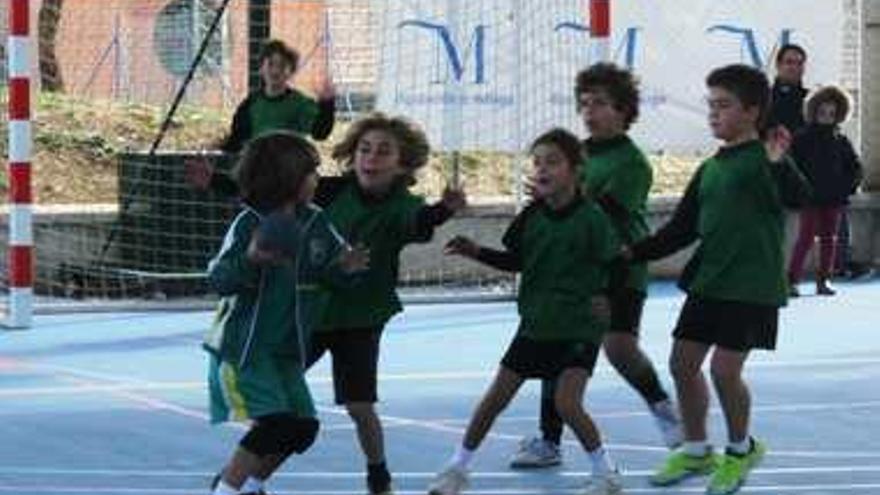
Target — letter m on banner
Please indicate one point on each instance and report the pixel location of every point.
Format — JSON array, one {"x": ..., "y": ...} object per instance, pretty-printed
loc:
[
  {"x": 624, "y": 53},
  {"x": 749, "y": 42},
  {"x": 452, "y": 52}
]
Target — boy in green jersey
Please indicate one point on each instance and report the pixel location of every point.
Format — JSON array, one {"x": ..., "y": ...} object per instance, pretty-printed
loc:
[
  {"x": 617, "y": 174},
  {"x": 562, "y": 244},
  {"x": 735, "y": 282},
  {"x": 258, "y": 344},
  {"x": 372, "y": 206},
  {"x": 275, "y": 106}
]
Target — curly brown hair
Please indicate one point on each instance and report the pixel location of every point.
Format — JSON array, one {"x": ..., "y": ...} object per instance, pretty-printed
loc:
[
  {"x": 620, "y": 84},
  {"x": 273, "y": 167},
  {"x": 413, "y": 143},
  {"x": 828, "y": 94}
]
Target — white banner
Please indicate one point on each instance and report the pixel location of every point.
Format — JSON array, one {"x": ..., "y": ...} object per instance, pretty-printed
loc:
[{"x": 492, "y": 74}]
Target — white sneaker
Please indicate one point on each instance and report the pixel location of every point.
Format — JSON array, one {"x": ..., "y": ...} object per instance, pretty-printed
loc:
[
  {"x": 450, "y": 481},
  {"x": 536, "y": 452},
  {"x": 668, "y": 422},
  {"x": 608, "y": 484}
]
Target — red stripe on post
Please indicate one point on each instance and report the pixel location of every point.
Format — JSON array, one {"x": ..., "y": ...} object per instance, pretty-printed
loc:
[
  {"x": 20, "y": 183},
  {"x": 21, "y": 266},
  {"x": 600, "y": 18},
  {"x": 19, "y": 99},
  {"x": 19, "y": 17}
]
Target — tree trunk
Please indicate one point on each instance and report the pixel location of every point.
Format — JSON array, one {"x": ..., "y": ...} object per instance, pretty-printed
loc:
[{"x": 50, "y": 71}]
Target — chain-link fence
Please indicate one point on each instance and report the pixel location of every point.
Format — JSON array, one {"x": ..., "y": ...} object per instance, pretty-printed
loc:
[{"x": 483, "y": 77}]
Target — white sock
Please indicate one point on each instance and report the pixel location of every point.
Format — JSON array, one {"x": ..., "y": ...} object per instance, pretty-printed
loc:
[
  {"x": 224, "y": 489},
  {"x": 252, "y": 485},
  {"x": 695, "y": 449},
  {"x": 663, "y": 409},
  {"x": 601, "y": 461},
  {"x": 741, "y": 448},
  {"x": 461, "y": 459}
]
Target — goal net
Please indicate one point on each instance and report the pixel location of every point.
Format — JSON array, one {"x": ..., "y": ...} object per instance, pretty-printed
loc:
[{"x": 115, "y": 219}]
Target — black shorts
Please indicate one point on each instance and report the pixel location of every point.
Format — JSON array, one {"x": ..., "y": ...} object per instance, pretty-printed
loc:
[
  {"x": 530, "y": 358},
  {"x": 737, "y": 326},
  {"x": 626, "y": 311},
  {"x": 355, "y": 354}
]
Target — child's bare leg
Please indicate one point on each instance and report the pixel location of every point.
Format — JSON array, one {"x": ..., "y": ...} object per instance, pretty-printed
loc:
[
  {"x": 369, "y": 430},
  {"x": 623, "y": 352},
  {"x": 733, "y": 393},
  {"x": 242, "y": 465},
  {"x": 372, "y": 441},
  {"x": 685, "y": 363},
  {"x": 269, "y": 464},
  {"x": 502, "y": 390},
  {"x": 453, "y": 479},
  {"x": 569, "y": 403}
]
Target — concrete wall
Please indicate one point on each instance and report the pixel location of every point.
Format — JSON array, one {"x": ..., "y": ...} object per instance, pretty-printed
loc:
[
  {"x": 487, "y": 223},
  {"x": 62, "y": 235},
  {"x": 870, "y": 101},
  {"x": 76, "y": 237}
]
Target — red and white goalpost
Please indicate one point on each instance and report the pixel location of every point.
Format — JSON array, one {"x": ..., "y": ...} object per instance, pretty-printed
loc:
[
  {"x": 21, "y": 264},
  {"x": 600, "y": 30}
]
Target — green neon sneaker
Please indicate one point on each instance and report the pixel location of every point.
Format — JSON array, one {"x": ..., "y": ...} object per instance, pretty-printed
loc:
[
  {"x": 733, "y": 470},
  {"x": 679, "y": 466}
]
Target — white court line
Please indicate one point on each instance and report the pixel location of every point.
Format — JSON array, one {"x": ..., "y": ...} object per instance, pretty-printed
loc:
[
  {"x": 389, "y": 421},
  {"x": 133, "y": 384},
  {"x": 115, "y": 383},
  {"x": 79, "y": 372},
  {"x": 84, "y": 378},
  {"x": 802, "y": 407},
  {"x": 151, "y": 402},
  {"x": 774, "y": 489},
  {"x": 413, "y": 475},
  {"x": 99, "y": 388},
  {"x": 119, "y": 389},
  {"x": 75, "y": 375}
]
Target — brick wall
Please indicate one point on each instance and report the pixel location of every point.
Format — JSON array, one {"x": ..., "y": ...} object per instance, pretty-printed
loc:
[
  {"x": 113, "y": 49},
  {"x": 870, "y": 101}
]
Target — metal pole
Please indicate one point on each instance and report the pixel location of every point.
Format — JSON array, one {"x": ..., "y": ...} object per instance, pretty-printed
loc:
[
  {"x": 259, "y": 28},
  {"x": 20, "y": 144},
  {"x": 600, "y": 30},
  {"x": 169, "y": 116}
]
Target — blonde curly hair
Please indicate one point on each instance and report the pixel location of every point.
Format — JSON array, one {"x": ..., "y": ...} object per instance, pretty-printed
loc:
[{"x": 413, "y": 143}]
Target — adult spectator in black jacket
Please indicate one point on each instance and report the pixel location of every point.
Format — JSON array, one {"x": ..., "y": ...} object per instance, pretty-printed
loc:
[
  {"x": 787, "y": 109},
  {"x": 788, "y": 93}
]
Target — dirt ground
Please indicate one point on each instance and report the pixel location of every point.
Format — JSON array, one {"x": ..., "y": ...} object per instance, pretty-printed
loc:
[{"x": 77, "y": 144}]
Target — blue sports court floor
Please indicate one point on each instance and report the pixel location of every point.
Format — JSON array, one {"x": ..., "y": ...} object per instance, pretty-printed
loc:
[{"x": 115, "y": 404}]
